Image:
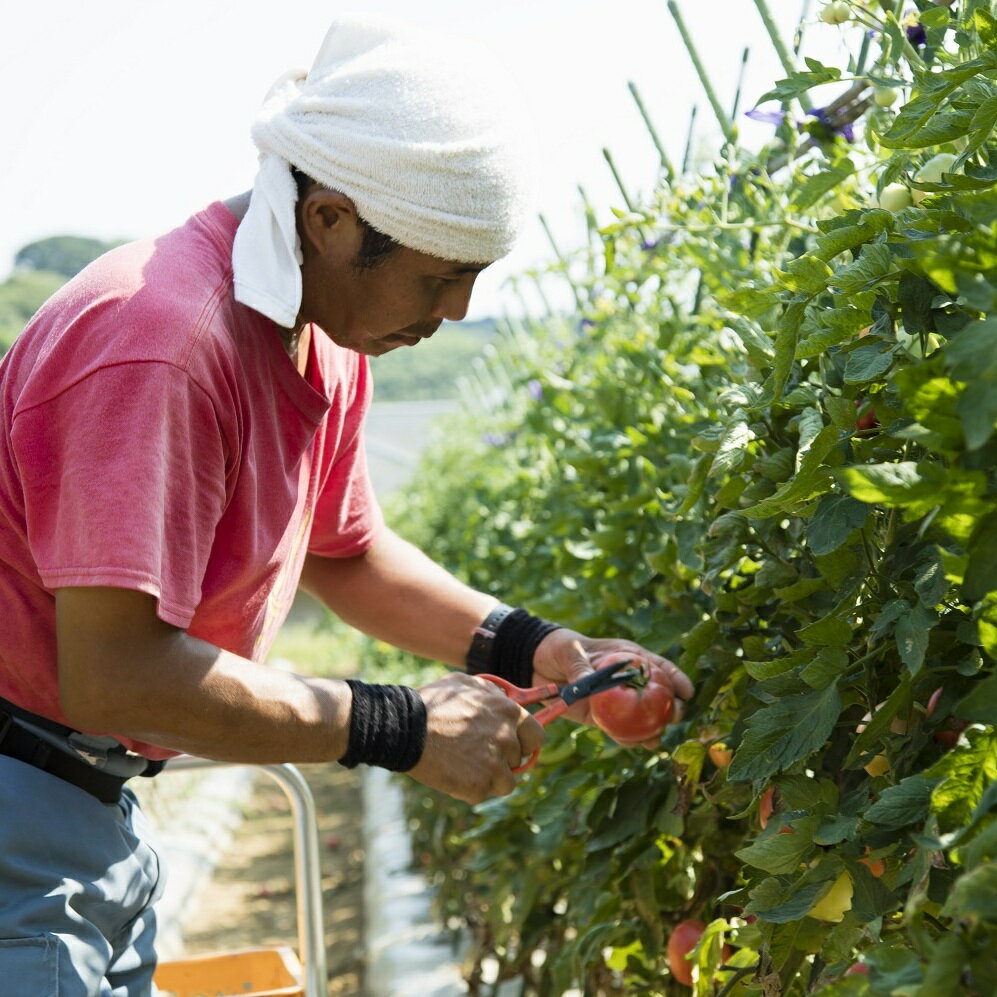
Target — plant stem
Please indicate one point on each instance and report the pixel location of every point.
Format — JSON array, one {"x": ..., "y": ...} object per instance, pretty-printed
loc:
[
  {"x": 662, "y": 155},
  {"x": 740, "y": 84},
  {"x": 779, "y": 45},
  {"x": 725, "y": 125},
  {"x": 739, "y": 975},
  {"x": 607, "y": 155},
  {"x": 557, "y": 252},
  {"x": 688, "y": 139}
]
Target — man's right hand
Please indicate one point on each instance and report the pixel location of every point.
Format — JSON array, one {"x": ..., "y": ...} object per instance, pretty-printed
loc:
[{"x": 475, "y": 737}]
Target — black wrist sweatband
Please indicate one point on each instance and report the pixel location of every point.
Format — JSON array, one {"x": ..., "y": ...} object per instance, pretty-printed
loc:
[
  {"x": 505, "y": 643},
  {"x": 387, "y": 727}
]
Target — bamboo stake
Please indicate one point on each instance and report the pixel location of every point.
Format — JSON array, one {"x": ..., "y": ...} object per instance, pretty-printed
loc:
[
  {"x": 688, "y": 139},
  {"x": 725, "y": 125},
  {"x": 798, "y": 36},
  {"x": 564, "y": 263},
  {"x": 740, "y": 84},
  {"x": 779, "y": 45},
  {"x": 607, "y": 155},
  {"x": 662, "y": 155}
]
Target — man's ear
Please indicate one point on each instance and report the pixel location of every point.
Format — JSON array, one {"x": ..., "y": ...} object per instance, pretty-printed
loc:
[{"x": 328, "y": 220}]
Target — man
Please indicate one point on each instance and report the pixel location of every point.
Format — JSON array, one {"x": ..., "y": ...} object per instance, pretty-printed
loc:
[{"x": 183, "y": 446}]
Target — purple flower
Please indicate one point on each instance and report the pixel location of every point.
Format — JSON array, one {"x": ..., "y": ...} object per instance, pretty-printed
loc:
[
  {"x": 586, "y": 323},
  {"x": 775, "y": 118},
  {"x": 496, "y": 439},
  {"x": 649, "y": 245},
  {"x": 916, "y": 35},
  {"x": 535, "y": 389}
]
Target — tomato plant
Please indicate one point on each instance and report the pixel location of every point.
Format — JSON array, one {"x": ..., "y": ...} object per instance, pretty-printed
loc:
[{"x": 726, "y": 510}]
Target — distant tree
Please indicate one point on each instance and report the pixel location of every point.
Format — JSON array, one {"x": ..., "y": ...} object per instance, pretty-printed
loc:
[
  {"x": 62, "y": 254},
  {"x": 21, "y": 295}
]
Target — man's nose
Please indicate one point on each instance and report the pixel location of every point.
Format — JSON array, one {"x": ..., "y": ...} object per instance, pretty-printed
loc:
[{"x": 454, "y": 300}]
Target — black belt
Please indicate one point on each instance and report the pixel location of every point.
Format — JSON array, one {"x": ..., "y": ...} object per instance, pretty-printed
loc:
[{"x": 22, "y": 744}]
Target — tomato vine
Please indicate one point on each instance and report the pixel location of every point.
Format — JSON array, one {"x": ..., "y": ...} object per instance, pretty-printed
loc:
[{"x": 682, "y": 462}]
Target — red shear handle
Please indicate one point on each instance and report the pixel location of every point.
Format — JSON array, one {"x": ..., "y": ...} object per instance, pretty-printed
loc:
[{"x": 527, "y": 697}]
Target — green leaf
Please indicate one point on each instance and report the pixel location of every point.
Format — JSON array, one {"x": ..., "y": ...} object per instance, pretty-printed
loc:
[
  {"x": 936, "y": 18},
  {"x": 836, "y": 830},
  {"x": 828, "y": 666},
  {"x": 972, "y": 352},
  {"x": 986, "y": 27},
  {"x": 837, "y": 240},
  {"x": 842, "y": 412},
  {"x": 980, "y": 578},
  {"x": 962, "y": 776},
  {"x": 929, "y": 119},
  {"x": 757, "y": 344},
  {"x": 874, "y": 263},
  {"x": 869, "y": 362},
  {"x": 902, "y": 805},
  {"x": 833, "y": 522},
  {"x": 812, "y": 479},
  {"x": 732, "y": 453},
  {"x": 870, "y": 897},
  {"x": 832, "y": 631},
  {"x": 786, "y": 732},
  {"x": 915, "y": 295},
  {"x": 911, "y": 634},
  {"x": 892, "y": 970},
  {"x": 785, "y": 349},
  {"x": 779, "y": 902},
  {"x": 761, "y": 671},
  {"x": 799, "y": 83},
  {"x": 780, "y": 853},
  {"x": 811, "y": 189},
  {"x": 975, "y": 895},
  {"x": 977, "y": 408},
  {"x": 980, "y": 705}
]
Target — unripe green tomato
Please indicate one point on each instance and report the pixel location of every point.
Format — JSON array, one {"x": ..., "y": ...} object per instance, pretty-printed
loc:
[
  {"x": 932, "y": 172},
  {"x": 895, "y": 197},
  {"x": 885, "y": 96},
  {"x": 836, "y": 12}
]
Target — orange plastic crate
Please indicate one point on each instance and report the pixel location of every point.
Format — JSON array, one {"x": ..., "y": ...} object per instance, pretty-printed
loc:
[{"x": 264, "y": 972}]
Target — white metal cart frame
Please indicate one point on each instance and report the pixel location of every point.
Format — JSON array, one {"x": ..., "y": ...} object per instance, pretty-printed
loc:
[{"x": 307, "y": 865}]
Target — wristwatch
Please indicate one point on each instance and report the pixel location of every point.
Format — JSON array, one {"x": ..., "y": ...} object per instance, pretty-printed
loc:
[{"x": 479, "y": 654}]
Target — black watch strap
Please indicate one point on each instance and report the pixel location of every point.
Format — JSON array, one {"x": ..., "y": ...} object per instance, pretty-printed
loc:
[{"x": 479, "y": 654}]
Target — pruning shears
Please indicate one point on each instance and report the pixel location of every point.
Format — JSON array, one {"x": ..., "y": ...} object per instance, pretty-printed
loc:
[{"x": 558, "y": 698}]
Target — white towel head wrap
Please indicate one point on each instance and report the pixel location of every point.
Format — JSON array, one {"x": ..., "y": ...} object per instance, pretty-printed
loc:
[{"x": 423, "y": 134}]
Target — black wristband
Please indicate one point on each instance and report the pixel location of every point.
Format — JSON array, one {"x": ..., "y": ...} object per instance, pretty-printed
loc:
[
  {"x": 509, "y": 646},
  {"x": 387, "y": 727}
]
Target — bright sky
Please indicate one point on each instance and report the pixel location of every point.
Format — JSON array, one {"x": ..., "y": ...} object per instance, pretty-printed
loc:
[{"x": 125, "y": 116}]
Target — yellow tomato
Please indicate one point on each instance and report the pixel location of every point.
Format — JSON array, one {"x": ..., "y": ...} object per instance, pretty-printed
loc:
[{"x": 833, "y": 905}]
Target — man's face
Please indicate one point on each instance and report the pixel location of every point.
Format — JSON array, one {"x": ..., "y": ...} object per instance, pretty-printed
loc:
[{"x": 399, "y": 302}]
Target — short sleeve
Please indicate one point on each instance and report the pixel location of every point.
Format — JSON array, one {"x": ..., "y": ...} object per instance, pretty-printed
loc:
[{"x": 124, "y": 477}]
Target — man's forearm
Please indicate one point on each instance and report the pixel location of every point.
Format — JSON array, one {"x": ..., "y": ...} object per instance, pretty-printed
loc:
[
  {"x": 397, "y": 594},
  {"x": 123, "y": 671}
]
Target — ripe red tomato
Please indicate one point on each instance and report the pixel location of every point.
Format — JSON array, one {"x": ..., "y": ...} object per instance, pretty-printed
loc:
[
  {"x": 680, "y": 943},
  {"x": 638, "y": 712}
]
